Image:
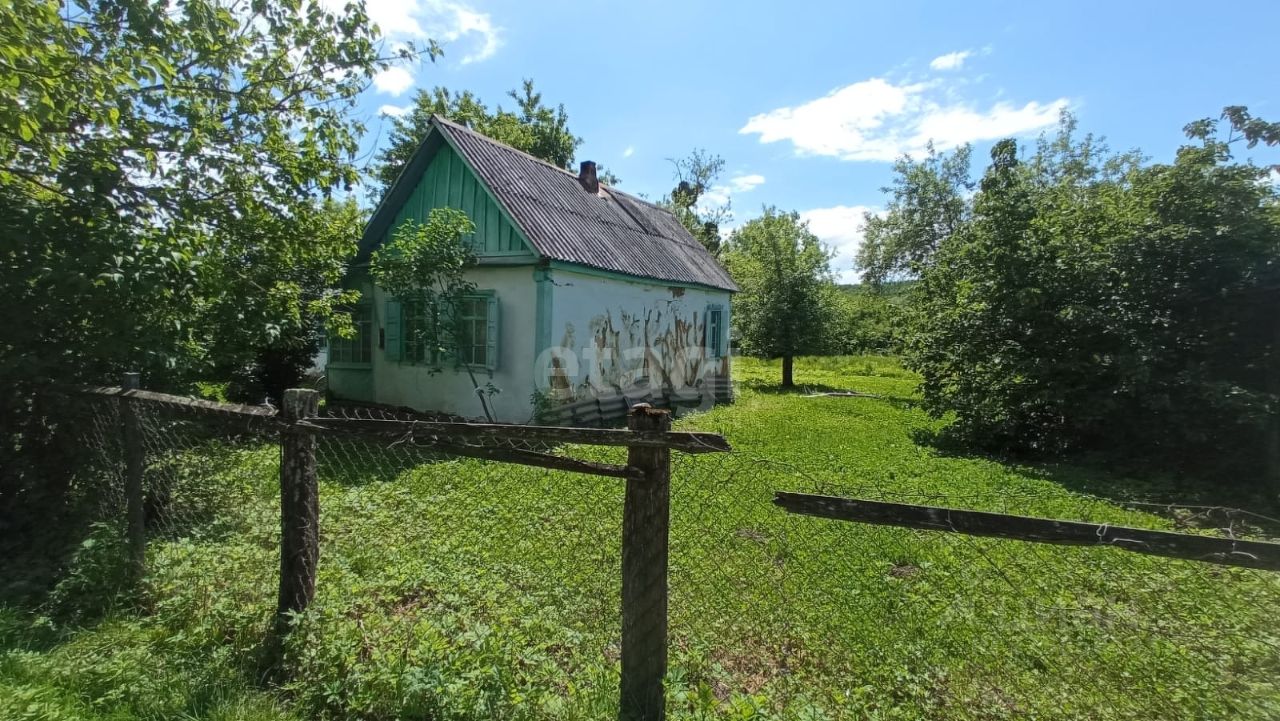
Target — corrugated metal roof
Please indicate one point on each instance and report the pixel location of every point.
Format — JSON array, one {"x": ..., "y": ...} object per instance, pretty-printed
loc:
[{"x": 611, "y": 230}]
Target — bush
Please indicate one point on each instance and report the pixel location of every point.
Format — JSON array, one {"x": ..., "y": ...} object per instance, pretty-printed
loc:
[{"x": 1093, "y": 303}]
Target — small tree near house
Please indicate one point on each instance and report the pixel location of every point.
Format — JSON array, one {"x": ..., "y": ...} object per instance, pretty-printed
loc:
[
  {"x": 785, "y": 277},
  {"x": 424, "y": 266}
]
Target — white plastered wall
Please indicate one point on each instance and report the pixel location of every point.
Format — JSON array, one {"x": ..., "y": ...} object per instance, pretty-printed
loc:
[{"x": 450, "y": 390}]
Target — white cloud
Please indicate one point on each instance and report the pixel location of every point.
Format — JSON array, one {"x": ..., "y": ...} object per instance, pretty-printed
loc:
[
  {"x": 463, "y": 31},
  {"x": 393, "y": 17},
  {"x": 745, "y": 183},
  {"x": 457, "y": 21},
  {"x": 714, "y": 196},
  {"x": 721, "y": 194},
  {"x": 443, "y": 20},
  {"x": 394, "y": 81},
  {"x": 950, "y": 61},
  {"x": 878, "y": 120},
  {"x": 630, "y": 151},
  {"x": 394, "y": 111},
  {"x": 841, "y": 229}
]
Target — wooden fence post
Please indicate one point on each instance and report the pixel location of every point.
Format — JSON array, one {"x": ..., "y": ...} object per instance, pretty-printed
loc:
[
  {"x": 645, "y": 525},
  {"x": 134, "y": 462},
  {"x": 299, "y": 508}
]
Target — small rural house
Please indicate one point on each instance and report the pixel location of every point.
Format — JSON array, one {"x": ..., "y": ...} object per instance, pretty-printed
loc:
[{"x": 587, "y": 300}]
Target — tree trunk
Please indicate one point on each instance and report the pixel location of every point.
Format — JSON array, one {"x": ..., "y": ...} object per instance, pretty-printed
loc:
[{"x": 788, "y": 366}]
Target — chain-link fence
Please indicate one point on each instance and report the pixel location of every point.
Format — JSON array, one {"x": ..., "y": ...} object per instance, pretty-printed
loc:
[
  {"x": 805, "y": 617},
  {"x": 473, "y": 575}
]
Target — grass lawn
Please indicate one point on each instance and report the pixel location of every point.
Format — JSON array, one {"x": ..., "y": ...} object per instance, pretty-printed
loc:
[{"x": 470, "y": 590}]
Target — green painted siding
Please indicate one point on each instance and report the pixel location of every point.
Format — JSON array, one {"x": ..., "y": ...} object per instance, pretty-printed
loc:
[{"x": 448, "y": 183}]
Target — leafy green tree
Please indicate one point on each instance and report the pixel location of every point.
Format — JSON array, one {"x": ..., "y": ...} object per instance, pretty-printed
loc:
[
  {"x": 159, "y": 176},
  {"x": 163, "y": 172},
  {"x": 534, "y": 127},
  {"x": 785, "y": 277},
  {"x": 426, "y": 264},
  {"x": 1096, "y": 303},
  {"x": 694, "y": 176},
  {"x": 928, "y": 205},
  {"x": 867, "y": 320}
]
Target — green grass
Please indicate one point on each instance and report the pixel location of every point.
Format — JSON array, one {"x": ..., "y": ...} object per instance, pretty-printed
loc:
[{"x": 468, "y": 590}]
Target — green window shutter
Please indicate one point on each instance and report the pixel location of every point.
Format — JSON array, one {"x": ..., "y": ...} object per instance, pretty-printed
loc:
[
  {"x": 491, "y": 349},
  {"x": 391, "y": 333},
  {"x": 714, "y": 329}
]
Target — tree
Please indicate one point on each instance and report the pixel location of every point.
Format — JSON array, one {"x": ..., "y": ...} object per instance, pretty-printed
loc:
[
  {"x": 785, "y": 277},
  {"x": 694, "y": 176},
  {"x": 265, "y": 341},
  {"x": 148, "y": 157},
  {"x": 426, "y": 264},
  {"x": 867, "y": 320},
  {"x": 1094, "y": 303},
  {"x": 928, "y": 205},
  {"x": 533, "y": 127}
]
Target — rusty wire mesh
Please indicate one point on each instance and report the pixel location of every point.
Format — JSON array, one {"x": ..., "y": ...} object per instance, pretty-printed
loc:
[
  {"x": 505, "y": 579},
  {"x": 805, "y": 617}
]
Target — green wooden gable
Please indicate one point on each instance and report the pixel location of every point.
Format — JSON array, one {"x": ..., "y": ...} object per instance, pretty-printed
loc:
[{"x": 447, "y": 182}]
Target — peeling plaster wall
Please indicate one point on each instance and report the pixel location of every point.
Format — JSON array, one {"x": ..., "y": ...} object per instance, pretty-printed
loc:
[{"x": 612, "y": 336}]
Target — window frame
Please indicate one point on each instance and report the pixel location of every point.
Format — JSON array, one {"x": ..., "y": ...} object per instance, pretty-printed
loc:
[
  {"x": 364, "y": 323},
  {"x": 485, "y": 325},
  {"x": 715, "y": 342}
]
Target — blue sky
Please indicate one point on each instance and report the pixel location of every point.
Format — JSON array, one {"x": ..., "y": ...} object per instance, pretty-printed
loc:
[{"x": 809, "y": 102}]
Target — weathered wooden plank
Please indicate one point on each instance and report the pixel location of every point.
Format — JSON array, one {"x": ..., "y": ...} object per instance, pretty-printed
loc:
[
  {"x": 533, "y": 458},
  {"x": 645, "y": 536},
  {"x": 299, "y": 510},
  {"x": 686, "y": 441},
  {"x": 134, "y": 462},
  {"x": 195, "y": 404},
  {"x": 1225, "y": 551}
]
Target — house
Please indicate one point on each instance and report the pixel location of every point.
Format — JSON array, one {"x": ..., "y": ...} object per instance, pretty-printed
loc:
[{"x": 587, "y": 298}]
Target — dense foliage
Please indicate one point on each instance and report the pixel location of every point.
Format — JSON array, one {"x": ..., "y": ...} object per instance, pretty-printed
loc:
[
  {"x": 785, "y": 277},
  {"x": 425, "y": 266},
  {"x": 928, "y": 204},
  {"x": 1091, "y": 302},
  {"x": 162, "y": 177},
  {"x": 866, "y": 319},
  {"x": 169, "y": 184},
  {"x": 534, "y": 127}
]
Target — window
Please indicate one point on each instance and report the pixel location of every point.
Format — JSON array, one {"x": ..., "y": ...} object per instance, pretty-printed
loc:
[
  {"x": 357, "y": 350},
  {"x": 423, "y": 326},
  {"x": 421, "y": 331},
  {"x": 473, "y": 331},
  {"x": 715, "y": 332}
]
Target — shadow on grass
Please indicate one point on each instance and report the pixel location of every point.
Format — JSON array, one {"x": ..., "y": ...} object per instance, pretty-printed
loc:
[
  {"x": 805, "y": 389},
  {"x": 1190, "y": 499}
]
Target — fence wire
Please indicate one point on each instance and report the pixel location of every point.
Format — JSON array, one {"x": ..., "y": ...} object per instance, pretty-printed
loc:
[
  {"x": 805, "y": 617},
  {"x": 463, "y": 587}
]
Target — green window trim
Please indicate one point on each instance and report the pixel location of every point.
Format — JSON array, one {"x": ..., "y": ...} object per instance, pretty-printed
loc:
[
  {"x": 479, "y": 330},
  {"x": 392, "y": 347},
  {"x": 715, "y": 330}
]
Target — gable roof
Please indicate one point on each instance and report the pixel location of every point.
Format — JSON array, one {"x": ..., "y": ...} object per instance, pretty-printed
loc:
[{"x": 610, "y": 231}]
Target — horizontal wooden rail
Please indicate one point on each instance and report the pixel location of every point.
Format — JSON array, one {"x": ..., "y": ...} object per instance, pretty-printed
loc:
[
  {"x": 540, "y": 460},
  {"x": 1225, "y": 551},
  {"x": 195, "y": 404},
  {"x": 687, "y": 442}
]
